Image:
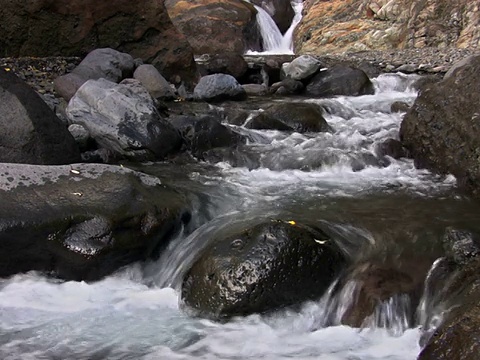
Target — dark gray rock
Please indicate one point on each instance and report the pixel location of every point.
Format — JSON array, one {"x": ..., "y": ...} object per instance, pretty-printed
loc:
[
  {"x": 104, "y": 63},
  {"x": 123, "y": 118},
  {"x": 393, "y": 148},
  {"x": 442, "y": 128},
  {"x": 264, "y": 122},
  {"x": 204, "y": 133},
  {"x": 399, "y": 106},
  {"x": 287, "y": 87},
  {"x": 461, "y": 246},
  {"x": 264, "y": 267},
  {"x": 82, "y": 221},
  {"x": 218, "y": 87},
  {"x": 340, "y": 80},
  {"x": 154, "y": 82},
  {"x": 30, "y": 132}
]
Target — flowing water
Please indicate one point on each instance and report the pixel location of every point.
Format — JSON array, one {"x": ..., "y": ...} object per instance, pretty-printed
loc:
[
  {"x": 274, "y": 42},
  {"x": 374, "y": 207}
]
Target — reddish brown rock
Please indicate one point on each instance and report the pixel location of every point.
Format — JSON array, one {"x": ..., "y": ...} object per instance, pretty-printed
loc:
[
  {"x": 75, "y": 27},
  {"x": 213, "y": 27},
  {"x": 356, "y": 25}
]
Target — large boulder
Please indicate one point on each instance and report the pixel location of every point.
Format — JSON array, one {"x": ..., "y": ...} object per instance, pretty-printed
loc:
[
  {"x": 340, "y": 80},
  {"x": 300, "y": 117},
  {"x": 281, "y": 12},
  {"x": 75, "y": 27},
  {"x": 82, "y": 221},
  {"x": 218, "y": 87},
  {"x": 442, "y": 131},
  {"x": 105, "y": 63},
  {"x": 264, "y": 267},
  {"x": 215, "y": 27},
  {"x": 457, "y": 338},
  {"x": 301, "y": 67},
  {"x": 31, "y": 132},
  {"x": 123, "y": 118}
]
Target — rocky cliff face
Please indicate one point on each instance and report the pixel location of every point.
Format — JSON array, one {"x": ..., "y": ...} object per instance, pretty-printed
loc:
[
  {"x": 356, "y": 25},
  {"x": 216, "y": 27},
  {"x": 75, "y": 27}
]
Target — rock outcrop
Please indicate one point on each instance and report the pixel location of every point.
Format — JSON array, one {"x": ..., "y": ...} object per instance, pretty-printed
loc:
[
  {"x": 442, "y": 129},
  {"x": 357, "y": 25},
  {"x": 214, "y": 27},
  {"x": 75, "y": 27}
]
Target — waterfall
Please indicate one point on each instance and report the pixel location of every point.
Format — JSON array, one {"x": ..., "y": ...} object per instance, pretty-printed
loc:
[{"x": 273, "y": 40}]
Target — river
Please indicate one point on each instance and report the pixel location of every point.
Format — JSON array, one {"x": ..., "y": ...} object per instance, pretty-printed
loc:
[{"x": 369, "y": 201}]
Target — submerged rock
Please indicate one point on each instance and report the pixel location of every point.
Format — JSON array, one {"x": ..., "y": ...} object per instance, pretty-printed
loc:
[
  {"x": 82, "y": 221},
  {"x": 301, "y": 117},
  {"x": 31, "y": 133},
  {"x": 264, "y": 267},
  {"x": 340, "y": 80},
  {"x": 123, "y": 118}
]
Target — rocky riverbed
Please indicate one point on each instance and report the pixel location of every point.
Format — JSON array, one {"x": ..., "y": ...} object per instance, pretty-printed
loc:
[{"x": 39, "y": 73}]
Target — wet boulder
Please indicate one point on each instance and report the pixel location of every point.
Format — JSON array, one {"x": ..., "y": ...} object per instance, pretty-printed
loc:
[
  {"x": 83, "y": 221},
  {"x": 301, "y": 117},
  {"x": 31, "y": 132},
  {"x": 123, "y": 118},
  {"x": 457, "y": 338},
  {"x": 264, "y": 267},
  {"x": 392, "y": 147},
  {"x": 301, "y": 67},
  {"x": 218, "y": 87},
  {"x": 340, "y": 80},
  {"x": 264, "y": 122},
  {"x": 154, "y": 82},
  {"x": 442, "y": 128},
  {"x": 205, "y": 133}
]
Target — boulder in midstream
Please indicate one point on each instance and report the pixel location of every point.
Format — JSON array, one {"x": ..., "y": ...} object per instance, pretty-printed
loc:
[{"x": 266, "y": 266}]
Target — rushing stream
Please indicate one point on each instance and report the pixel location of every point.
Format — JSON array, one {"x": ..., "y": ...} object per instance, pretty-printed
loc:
[{"x": 376, "y": 207}]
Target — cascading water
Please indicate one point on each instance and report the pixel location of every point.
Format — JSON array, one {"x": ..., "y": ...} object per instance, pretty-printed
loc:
[
  {"x": 371, "y": 205},
  {"x": 274, "y": 42}
]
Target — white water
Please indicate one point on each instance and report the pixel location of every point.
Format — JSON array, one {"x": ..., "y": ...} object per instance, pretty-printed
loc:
[
  {"x": 274, "y": 42},
  {"x": 134, "y": 314}
]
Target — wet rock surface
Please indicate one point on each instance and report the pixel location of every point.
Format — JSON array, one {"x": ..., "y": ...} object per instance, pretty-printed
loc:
[
  {"x": 264, "y": 267},
  {"x": 82, "y": 221},
  {"x": 441, "y": 129}
]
